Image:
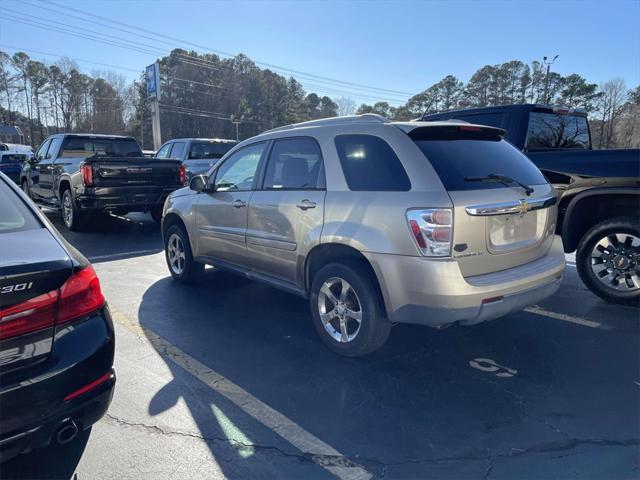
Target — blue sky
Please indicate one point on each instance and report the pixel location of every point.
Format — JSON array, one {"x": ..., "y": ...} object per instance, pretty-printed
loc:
[{"x": 400, "y": 46}]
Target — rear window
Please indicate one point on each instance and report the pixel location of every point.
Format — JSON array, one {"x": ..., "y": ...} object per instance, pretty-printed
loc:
[
  {"x": 552, "y": 131},
  {"x": 100, "y": 147},
  {"x": 370, "y": 164},
  {"x": 15, "y": 216},
  {"x": 209, "y": 149},
  {"x": 457, "y": 154}
]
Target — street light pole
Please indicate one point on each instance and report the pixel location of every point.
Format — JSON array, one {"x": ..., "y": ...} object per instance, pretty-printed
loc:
[
  {"x": 546, "y": 79},
  {"x": 237, "y": 124}
]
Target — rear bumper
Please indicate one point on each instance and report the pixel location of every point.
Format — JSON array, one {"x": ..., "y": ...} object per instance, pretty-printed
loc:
[
  {"x": 33, "y": 398},
  {"x": 129, "y": 198},
  {"x": 434, "y": 293}
]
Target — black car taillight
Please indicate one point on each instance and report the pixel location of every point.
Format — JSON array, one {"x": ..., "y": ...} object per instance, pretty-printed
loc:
[
  {"x": 87, "y": 174},
  {"x": 34, "y": 314},
  {"x": 79, "y": 296},
  {"x": 182, "y": 172}
]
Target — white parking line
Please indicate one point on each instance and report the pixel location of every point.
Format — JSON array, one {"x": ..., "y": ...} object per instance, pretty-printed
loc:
[
  {"x": 320, "y": 452},
  {"x": 566, "y": 318}
]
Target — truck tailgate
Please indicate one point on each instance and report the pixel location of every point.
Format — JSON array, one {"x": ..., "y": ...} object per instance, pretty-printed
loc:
[{"x": 116, "y": 172}]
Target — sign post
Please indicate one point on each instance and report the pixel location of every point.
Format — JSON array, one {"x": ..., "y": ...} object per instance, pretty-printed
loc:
[{"x": 153, "y": 93}]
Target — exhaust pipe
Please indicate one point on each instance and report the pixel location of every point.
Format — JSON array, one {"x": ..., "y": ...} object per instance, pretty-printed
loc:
[{"x": 67, "y": 432}]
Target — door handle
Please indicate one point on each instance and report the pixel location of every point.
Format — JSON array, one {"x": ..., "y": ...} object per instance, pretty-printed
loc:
[
  {"x": 239, "y": 203},
  {"x": 306, "y": 204}
]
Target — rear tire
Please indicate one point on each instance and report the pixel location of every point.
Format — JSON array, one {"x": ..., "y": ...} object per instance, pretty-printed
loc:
[
  {"x": 156, "y": 213},
  {"x": 71, "y": 215},
  {"x": 340, "y": 294},
  {"x": 177, "y": 252},
  {"x": 604, "y": 261}
]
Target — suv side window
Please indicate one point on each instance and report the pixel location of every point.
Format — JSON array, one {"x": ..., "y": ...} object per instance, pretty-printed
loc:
[
  {"x": 42, "y": 151},
  {"x": 370, "y": 164},
  {"x": 164, "y": 151},
  {"x": 176, "y": 151},
  {"x": 294, "y": 164},
  {"x": 239, "y": 170}
]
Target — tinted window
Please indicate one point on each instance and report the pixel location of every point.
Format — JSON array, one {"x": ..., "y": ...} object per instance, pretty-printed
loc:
[
  {"x": 15, "y": 216},
  {"x": 457, "y": 155},
  {"x": 210, "y": 149},
  {"x": 370, "y": 164},
  {"x": 549, "y": 130},
  {"x": 294, "y": 164},
  {"x": 238, "y": 171},
  {"x": 100, "y": 147},
  {"x": 42, "y": 151},
  {"x": 54, "y": 147},
  {"x": 164, "y": 151},
  {"x": 177, "y": 150}
]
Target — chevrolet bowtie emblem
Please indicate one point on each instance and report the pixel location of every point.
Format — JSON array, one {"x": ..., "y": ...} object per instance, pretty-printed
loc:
[{"x": 523, "y": 207}]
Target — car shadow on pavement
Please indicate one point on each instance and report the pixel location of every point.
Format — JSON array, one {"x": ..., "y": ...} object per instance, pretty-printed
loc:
[
  {"x": 111, "y": 237},
  {"x": 52, "y": 462},
  {"x": 426, "y": 399}
]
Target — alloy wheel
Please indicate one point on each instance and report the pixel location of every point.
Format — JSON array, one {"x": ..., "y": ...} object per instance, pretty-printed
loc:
[
  {"x": 176, "y": 254},
  {"x": 340, "y": 309},
  {"x": 615, "y": 261},
  {"x": 67, "y": 209}
]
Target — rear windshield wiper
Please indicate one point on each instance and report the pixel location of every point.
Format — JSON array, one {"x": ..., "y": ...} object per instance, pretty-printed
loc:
[{"x": 492, "y": 177}]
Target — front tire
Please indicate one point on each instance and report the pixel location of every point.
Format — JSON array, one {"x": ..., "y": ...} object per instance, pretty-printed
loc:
[
  {"x": 608, "y": 260},
  {"x": 177, "y": 252},
  {"x": 71, "y": 215},
  {"x": 24, "y": 185},
  {"x": 347, "y": 309}
]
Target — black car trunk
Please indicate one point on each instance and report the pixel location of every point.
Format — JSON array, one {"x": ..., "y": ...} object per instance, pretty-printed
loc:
[{"x": 28, "y": 295}]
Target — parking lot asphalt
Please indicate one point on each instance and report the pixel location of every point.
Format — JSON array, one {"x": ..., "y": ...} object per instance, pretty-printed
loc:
[{"x": 227, "y": 378}]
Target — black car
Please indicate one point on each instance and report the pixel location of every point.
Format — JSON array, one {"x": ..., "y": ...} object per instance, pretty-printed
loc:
[{"x": 56, "y": 334}]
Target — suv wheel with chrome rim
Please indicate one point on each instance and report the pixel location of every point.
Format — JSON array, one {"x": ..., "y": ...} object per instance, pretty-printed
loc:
[
  {"x": 70, "y": 213},
  {"x": 347, "y": 309},
  {"x": 608, "y": 260},
  {"x": 177, "y": 249}
]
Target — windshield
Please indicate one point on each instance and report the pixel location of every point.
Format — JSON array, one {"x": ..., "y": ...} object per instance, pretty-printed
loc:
[
  {"x": 458, "y": 156},
  {"x": 210, "y": 149},
  {"x": 553, "y": 131},
  {"x": 100, "y": 147}
]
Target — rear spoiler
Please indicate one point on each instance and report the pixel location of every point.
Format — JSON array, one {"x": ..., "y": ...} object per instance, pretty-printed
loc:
[{"x": 452, "y": 130}]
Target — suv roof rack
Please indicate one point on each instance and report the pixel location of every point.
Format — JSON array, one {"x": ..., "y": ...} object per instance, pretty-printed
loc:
[{"x": 321, "y": 122}]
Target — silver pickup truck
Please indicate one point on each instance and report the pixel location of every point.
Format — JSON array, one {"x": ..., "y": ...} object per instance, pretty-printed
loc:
[{"x": 197, "y": 155}]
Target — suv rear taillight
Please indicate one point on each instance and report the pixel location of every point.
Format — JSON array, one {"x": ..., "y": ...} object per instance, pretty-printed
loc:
[
  {"x": 79, "y": 296},
  {"x": 87, "y": 174},
  {"x": 182, "y": 172},
  {"x": 432, "y": 231}
]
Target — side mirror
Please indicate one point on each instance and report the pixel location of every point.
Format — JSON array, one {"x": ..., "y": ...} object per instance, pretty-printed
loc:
[{"x": 198, "y": 183}]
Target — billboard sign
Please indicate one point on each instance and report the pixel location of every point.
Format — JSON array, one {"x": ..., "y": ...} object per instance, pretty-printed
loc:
[{"x": 153, "y": 81}]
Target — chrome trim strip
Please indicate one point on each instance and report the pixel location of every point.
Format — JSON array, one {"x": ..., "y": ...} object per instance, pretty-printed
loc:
[{"x": 521, "y": 206}]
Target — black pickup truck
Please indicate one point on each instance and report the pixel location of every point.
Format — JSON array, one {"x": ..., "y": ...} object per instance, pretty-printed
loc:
[
  {"x": 599, "y": 190},
  {"x": 83, "y": 174}
]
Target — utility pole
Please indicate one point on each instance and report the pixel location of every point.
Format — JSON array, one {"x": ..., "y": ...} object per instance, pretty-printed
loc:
[
  {"x": 153, "y": 93},
  {"x": 546, "y": 79},
  {"x": 237, "y": 124}
]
